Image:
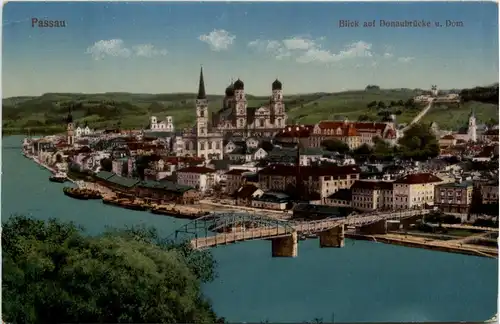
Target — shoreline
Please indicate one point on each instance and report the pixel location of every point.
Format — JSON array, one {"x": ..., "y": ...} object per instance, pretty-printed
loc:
[
  {"x": 206, "y": 205},
  {"x": 412, "y": 241}
]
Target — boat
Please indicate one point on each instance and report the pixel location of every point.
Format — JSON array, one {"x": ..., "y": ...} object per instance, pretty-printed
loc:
[
  {"x": 58, "y": 177},
  {"x": 82, "y": 194},
  {"x": 125, "y": 203},
  {"x": 174, "y": 212},
  {"x": 132, "y": 205}
]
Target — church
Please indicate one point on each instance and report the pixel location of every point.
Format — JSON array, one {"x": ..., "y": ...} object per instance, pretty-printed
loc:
[{"x": 234, "y": 118}]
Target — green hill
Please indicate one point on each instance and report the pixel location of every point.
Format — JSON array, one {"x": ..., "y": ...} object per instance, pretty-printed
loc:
[{"x": 46, "y": 113}]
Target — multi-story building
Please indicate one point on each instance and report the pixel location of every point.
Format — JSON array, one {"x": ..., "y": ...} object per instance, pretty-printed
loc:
[
  {"x": 200, "y": 178},
  {"x": 453, "y": 197},
  {"x": 414, "y": 190},
  {"x": 234, "y": 179},
  {"x": 354, "y": 134},
  {"x": 372, "y": 195},
  {"x": 489, "y": 192},
  {"x": 324, "y": 180}
]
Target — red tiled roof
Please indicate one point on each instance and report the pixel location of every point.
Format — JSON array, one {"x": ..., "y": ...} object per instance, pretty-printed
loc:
[
  {"x": 196, "y": 169},
  {"x": 296, "y": 131},
  {"x": 354, "y": 127},
  {"x": 418, "y": 178},
  {"x": 306, "y": 171}
]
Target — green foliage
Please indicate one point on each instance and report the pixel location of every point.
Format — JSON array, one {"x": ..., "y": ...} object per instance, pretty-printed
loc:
[
  {"x": 418, "y": 143},
  {"x": 106, "y": 164},
  {"x": 52, "y": 273},
  {"x": 335, "y": 145},
  {"x": 45, "y": 114}
]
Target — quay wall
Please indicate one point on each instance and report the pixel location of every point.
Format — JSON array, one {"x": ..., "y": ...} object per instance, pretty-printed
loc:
[{"x": 420, "y": 245}]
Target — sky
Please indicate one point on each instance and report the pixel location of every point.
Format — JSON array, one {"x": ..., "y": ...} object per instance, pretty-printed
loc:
[{"x": 153, "y": 47}]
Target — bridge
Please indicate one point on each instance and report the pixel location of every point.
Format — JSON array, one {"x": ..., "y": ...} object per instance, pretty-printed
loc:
[{"x": 221, "y": 229}]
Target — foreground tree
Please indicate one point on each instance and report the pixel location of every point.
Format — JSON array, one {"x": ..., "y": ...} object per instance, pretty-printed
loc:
[{"x": 52, "y": 273}]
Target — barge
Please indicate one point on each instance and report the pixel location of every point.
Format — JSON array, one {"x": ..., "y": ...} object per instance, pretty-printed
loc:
[
  {"x": 125, "y": 203},
  {"x": 177, "y": 212}
]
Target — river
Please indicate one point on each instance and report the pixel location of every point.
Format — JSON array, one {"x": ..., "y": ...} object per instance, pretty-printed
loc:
[{"x": 364, "y": 281}]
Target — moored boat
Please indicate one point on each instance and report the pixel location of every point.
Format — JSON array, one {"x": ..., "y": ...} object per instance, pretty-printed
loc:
[
  {"x": 83, "y": 194},
  {"x": 174, "y": 212},
  {"x": 58, "y": 177}
]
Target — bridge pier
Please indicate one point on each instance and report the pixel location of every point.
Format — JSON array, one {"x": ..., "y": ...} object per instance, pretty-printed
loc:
[
  {"x": 379, "y": 227},
  {"x": 286, "y": 246},
  {"x": 333, "y": 237}
]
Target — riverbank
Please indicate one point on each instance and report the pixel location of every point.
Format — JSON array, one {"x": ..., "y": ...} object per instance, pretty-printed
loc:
[{"x": 423, "y": 243}]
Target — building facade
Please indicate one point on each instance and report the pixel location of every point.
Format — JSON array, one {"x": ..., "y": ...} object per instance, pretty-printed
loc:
[
  {"x": 414, "y": 190},
  {"x": 453, "y": 197},
  {"x": 235, "y": 117}
]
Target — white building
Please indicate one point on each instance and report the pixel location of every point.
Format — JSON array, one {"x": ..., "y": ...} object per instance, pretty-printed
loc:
[
  {"x": 201, "y": 178},
  {"x": 165, "y": 126},
  {"x": 414, "y": 190},
  {"x": 472, "y": 129},
  {"x": 83, "y": 131}
]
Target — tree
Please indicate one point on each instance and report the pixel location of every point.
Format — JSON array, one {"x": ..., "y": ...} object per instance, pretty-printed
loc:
[
  {"x": 364, "y": 151},
  {"x": 371, "y": 104},
  {"x": 52, "y": 273},
  {"x": 419, "y": 143},
  {"x": 106, "y": 164},
  {"x": 335, "y": 145},
  {"x": 381, "y": 105}
]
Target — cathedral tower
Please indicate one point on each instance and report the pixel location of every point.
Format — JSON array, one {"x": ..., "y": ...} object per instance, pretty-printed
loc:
[
  {"x": 472, "y": 130},
  {"x": 70, "y": 128},
  {"x": 277, "y": 105},
  {"x": 241, "y": 104},
  {"x": 201, "y": 108}
]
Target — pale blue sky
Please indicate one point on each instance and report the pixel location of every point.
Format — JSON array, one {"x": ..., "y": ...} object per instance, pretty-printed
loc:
[{"x": 159, "y": 47}]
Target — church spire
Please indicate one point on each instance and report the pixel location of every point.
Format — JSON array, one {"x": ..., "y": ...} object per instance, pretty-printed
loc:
[{"x": 201, "y": 88}]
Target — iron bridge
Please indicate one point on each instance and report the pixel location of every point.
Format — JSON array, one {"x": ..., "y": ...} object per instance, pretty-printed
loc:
[{"x": 213, "y": 224}]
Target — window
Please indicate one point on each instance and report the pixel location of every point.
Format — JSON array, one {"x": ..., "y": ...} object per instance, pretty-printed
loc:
[
  {"x": 217, "y": 145},
  {"x": 202, "y": 146},
  {"x": 209, "y": 145},
  {"x": 261, "y": 122}
]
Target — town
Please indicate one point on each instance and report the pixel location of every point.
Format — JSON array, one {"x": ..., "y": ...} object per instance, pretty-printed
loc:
[{"x": 250, "y": 159}]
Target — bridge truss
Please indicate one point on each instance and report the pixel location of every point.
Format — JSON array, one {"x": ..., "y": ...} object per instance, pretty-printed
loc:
[{"x": 213, "y": 224}]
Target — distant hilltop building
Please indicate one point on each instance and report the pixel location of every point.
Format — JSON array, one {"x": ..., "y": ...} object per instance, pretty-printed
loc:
[
  {"x": 164, "y": 126},
  {"x": 434, "y": 91},
  {"x": 234, "y": 118}
]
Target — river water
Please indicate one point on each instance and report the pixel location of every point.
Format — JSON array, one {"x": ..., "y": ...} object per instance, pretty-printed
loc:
[{"x": 364, "y": 281}]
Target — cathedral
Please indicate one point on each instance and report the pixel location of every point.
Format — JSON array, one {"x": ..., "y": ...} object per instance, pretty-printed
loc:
[{"x": 234, "y": 118}]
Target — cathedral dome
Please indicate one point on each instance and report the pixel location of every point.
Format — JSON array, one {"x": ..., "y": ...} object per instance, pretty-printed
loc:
[
  {"x": 239, "y": 85},
  {"x": 230, "y": 90},
  {"x": 277, "y": 85}
]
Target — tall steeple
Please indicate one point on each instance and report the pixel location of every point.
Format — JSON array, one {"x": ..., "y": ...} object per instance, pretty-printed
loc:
[{"x": 201, "y": 88}]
